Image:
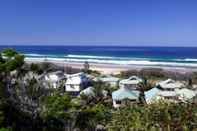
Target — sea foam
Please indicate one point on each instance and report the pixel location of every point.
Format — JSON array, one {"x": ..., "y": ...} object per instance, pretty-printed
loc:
[{"x": 114, "y": 61}]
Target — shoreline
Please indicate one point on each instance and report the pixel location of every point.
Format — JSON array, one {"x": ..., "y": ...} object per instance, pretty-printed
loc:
[{"x": 115, "y": 68}]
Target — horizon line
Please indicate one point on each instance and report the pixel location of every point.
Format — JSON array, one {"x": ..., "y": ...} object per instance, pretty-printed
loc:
[{"x": 93, "y": 45}]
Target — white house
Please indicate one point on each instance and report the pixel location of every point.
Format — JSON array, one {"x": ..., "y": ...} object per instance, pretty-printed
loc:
[
  {"x": 88, "y": 91},
  {"x": 112, "y": 81},
  {"x": 127, "y": 93},
  {"x": 170, "y": 85},
  {"x": 132, "y": 82},
  {"x": 54, "y": 78},
  {"x": 185, "y": 94},
  {"x": 169, "y": 90},
  {"x": 76, "y": 82},
  {"x": 123, "y": 95},
  {"x": 163, "y": 90}
]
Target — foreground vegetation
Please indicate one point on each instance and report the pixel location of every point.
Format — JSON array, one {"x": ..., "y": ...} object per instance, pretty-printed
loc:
[{"x": 25, "y": 104}]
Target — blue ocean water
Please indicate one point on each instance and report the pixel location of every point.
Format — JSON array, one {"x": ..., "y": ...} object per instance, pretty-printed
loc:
[{"x": 170, "y": 56}]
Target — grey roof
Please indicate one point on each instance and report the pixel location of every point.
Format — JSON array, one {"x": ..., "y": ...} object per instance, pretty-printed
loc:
[
  {"x": 133, "y": 80},
  {"x": 170, "y": 84},
  {"x": 88, "y": 91},
  {"x": 149, "y": 95}
]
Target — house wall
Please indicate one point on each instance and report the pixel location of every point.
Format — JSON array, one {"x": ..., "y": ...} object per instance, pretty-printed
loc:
[
  {"x": 162, "y": 98},
  {"x": 72, "y": 88},
  {"x": 54, "y": 85},
  {"x": 115, "y": 105},
  {"x": 124, "y": 103},
  {"x": 129, "y": 86}
]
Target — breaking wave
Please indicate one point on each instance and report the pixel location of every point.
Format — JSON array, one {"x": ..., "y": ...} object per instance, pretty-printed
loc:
[{"x": 113, "y": 60}]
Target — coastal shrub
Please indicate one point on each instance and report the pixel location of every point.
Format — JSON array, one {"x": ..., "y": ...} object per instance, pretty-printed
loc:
[
  {"x": 128, "y": 73},
  {"x": 158, "y": 74},
  {"x": 35, "y": 68},
  {"x": 9, "y": 53},
  {"x": 157, "y": 116},
  {"x": 5, "y": 129},
  {"x": 71, "y": 70},
  {"x": 91, "y": 72},
  {"x": 194, "y": 77},
  {"x": 144, "y": 73},
  {"x": 152, "y": 73}
]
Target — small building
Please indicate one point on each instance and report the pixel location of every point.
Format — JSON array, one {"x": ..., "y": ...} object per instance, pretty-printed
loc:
[
  {"x": 156, "y": 94},
  {"x": 54, "y": 78},
  {"x": 152, "y": 95},
  {"x": 112, "y": 81},
  {"x": 164, "y": 90},
  {"x": 170, "y": 85},
  {"x": 185, "y": 94},
  {"x": 91, "y": 77},
  {"x": 124, "y": 96},
  {"x": 168, "y": 90},
  {"x": 132, "y": 82},
  {"x": 76, "y": 82},
  {"x": 88, "y": 91}
]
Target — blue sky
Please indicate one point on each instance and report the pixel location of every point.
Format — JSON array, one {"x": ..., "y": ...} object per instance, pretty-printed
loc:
[{"x": 99, "y": 22}]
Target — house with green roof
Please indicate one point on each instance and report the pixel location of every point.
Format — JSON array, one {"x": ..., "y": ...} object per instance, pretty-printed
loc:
[{"x": 124, "y": 96}]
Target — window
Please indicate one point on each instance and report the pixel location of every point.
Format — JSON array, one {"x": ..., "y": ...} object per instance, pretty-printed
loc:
[
  {"x": 72, "y": 86},
  {"x": 118, "y": 102}
]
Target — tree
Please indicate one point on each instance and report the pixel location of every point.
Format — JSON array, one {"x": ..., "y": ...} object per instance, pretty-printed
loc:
[
  {"x": 35, "y": 68},
  {"x": 46, "y": 67},
  {"x": 58, "y": 108},
  {"x": 158, "y": 116},
  {"x": 5, "y": 129},
  {"x": 142, "y": 88},
  {"x": 17, "y": 96},
  {"x": 190, "y": 82},
  {"x": 9, "y": 53},
  {"x": 1, "y": 59},
  {"x": 15, "y": 63},
  {"x": 87, "y": 119},
  {"x": 98, "y": 89}
]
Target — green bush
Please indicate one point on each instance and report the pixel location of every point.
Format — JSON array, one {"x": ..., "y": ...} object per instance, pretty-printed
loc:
[
  {"x": 162, "y": 115},
  {"x": 5, "y": 129}
]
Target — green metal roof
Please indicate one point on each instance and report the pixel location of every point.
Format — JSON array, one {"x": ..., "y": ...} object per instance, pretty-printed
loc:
[{"x": 124, "y": 93}]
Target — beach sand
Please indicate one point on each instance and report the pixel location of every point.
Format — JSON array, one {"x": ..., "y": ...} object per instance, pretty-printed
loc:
[{"x": 115, "y": 68}]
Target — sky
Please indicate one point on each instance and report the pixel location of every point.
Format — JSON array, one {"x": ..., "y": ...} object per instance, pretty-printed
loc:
[{"x": 99, "y": 22}]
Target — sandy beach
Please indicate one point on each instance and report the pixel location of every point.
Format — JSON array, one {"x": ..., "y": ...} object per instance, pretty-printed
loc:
[{"x": 115, "y": 68}]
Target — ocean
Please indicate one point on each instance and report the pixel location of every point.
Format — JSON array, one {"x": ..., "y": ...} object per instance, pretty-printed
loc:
[{"x": 121, "y": 55}]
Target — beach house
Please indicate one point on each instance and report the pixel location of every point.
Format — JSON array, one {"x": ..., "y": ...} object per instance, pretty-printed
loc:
[
  {"x": 128, "y": 92},
  {"x": 53, "y": 79},
  {"x": 167, "y": 90},
  {"x": 185, "y": 94},
  {"x": 88, "y": 92},
  {"x": 111, "y": 80},
  {"x": 125, "y": 97},
  {"x": 76, "y": 82},
  {"x": 170, "y": 85},
  {"x": 130, "y": 83}
]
